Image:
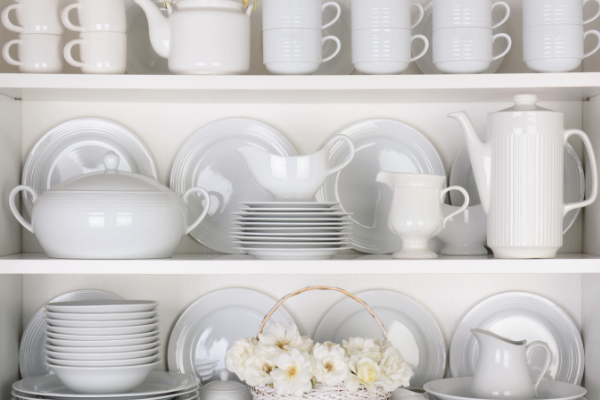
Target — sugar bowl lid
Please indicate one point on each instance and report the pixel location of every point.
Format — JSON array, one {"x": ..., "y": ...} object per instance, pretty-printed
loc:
[
  {"x": 224, "y": 389},
  {"x": 525, "y": 102}
]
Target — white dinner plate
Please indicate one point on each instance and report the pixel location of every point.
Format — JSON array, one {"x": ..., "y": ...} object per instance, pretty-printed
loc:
[
  {"x": 293, "y": 224},
  {"x": 300, "y": 229},
  {"x": 31, "y": 350},
  {"x": 425, "y": 28},
  {"x": 157, "y": 383},
  {"x": 207, "y": 329},
  {"x": 78, "y": 147},
  {"x": 291, "y": 245},
  {"x": 303, "y": 239},
  {"x": 104, "y": 349},
  {"x": 190, "y": 394},
  {"x": 341, "y": 64},
  {"x": 518, "y": 316},
  {"x": 102, "y": 343},
  {"x": 307, "y": 215},
  {"x": 297, "y": 220},
  {"x": 209, "y": 160},
  {"x": 63, "y": 336},
  {"x": 101, "y": 356},
  {"x": 103, "y": 306},
  {"x": 101, "y": 317},
  {"x": 290, "y": 210},
  {"x": 293, "y": 254},
  {"x": 123, "y": 330},
  {"x": 128, "y": 362},
  {"x": 287, "y": 204},
  {"x": 100, "y": 324},
  {"x": 460, "y": 389},
  {"x": 291, "y": 235},
  {"x": 380, "y": 144},
  {"x": 409, "y": 326}
]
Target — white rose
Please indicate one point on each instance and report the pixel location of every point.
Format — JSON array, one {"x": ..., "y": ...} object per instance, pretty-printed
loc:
[
  {"x": 365, "y": 371},
  {"x": 258, "y": 371},
  {"x": 277, "y": 341},
  {"x": 331, "y": 364},
  {"x": 293, "y": 374},
  {"x": 362, "y": 347},
  {"x": 394, "y": 370},
  {"x": 238, "y": 354}
]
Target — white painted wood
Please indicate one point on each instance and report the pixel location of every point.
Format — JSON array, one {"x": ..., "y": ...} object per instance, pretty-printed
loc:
[{"x": 10, "y": 331}]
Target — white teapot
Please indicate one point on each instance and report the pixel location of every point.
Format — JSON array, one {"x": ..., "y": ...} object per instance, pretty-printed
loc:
[{"x": 209, "y": 37}]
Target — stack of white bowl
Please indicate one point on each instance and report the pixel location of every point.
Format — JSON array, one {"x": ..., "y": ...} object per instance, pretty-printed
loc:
[
  {"x": 102, "y": 347},
  {"x": 291, "y": 230}
]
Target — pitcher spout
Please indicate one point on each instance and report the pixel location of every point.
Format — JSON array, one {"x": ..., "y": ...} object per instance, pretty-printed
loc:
[{"x": 158, "y": 26}]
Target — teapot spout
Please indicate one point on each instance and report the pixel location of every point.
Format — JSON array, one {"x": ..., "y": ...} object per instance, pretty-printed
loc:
[
  {"x": 158, "y": 26},
  {"x": 480, "y": 154},
  {"x": 385, "y": 177}
]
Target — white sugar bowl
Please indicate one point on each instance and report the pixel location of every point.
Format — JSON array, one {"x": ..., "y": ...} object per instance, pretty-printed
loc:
[
  {"x": 225, "y": 389},
  {"x": 109, "y": 215}
]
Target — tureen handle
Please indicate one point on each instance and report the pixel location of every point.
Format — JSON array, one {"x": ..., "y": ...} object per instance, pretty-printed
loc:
[
  {"x": 204, "y": 194},
  {"x": 13, "y": 204}
]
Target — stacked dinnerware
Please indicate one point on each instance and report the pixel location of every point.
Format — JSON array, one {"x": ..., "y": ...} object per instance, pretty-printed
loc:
[
  {"x": 104, "y": 346},
  {"x": 553, "y": 34}
]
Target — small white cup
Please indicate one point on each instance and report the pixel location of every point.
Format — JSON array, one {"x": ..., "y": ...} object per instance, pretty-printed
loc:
[
  {"x": 555, "y": 48},
  {"x": 101, "y": 52},
  {"x": 306, "y": 14},
  {"x": 466, "y": 14},
  {"x": 465, "y": 50},
  {"x": 384, "y": 50},
  {"x": 294, "y": 51},
  {"x": 384, "y": 14},
  {"x": 37, "y": 53},
  {"x": 34, "y": 16},
  {"x": 97, "y": 16},
  {"x": 556, "y": 12}
]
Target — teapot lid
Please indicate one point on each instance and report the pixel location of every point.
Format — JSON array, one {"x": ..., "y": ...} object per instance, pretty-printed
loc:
[
  {"x": 111, "y": 179},
  {"x": 525, "y": 102},
  {"x": 225, "y": 385}
]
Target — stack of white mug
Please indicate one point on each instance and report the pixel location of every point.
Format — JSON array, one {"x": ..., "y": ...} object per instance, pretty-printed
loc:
[
  {"x": 553, "y": 34},
  {"x": 381, "y": 36},
  {"x": 102, "y": 38},
  {"x": 292, "y": 35},
  {"x": 462, "y": 35},
  {"x": 40, "y": 36}
]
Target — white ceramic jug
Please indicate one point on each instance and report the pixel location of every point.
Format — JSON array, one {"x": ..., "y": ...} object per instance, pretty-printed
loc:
[
  {"x": 519, "y": 173},
  {"x": 502, "y": 371}
]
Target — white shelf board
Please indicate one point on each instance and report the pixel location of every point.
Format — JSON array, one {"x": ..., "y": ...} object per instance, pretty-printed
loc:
[
  {"x": 299, "y": 89},
  {"x": 347, "y": 264}
]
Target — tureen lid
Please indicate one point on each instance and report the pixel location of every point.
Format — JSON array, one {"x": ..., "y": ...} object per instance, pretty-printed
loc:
[
  {"x": 111, "y": 179},
  {"x": 225, "y": 386},
  {"x": 525, "y": 102}
]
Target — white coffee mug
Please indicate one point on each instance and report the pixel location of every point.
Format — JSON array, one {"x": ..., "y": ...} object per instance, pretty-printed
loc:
[
  {"x": 34, "y": 16},
  {"x": 368, "y": 14},
  {"x": 295, "y": 51},
  {"x": 37, "y": 53},
  {"x": 556, "y": 12},
  {"x": 306, "y": 14},
  {"x": 555, "y": 48},
  {"x": 465, "y": 50},
  {"x": 97, "y": 16},
  {"x": 384, "y": 50},
  {"x": 466, "y": 14},
  {"x": 101, "y": 52}
]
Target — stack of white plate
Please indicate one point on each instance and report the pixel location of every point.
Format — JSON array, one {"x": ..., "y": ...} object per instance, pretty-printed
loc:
[
  {"x": 102, "y": 346},
  {"x": 286, "y": 230}
]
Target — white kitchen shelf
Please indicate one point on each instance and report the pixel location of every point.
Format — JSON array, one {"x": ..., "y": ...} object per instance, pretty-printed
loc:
[{"x": 299, "y": 89}]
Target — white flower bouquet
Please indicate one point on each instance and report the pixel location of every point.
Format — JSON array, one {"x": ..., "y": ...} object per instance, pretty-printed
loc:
[{"x": 280, "y": 363}]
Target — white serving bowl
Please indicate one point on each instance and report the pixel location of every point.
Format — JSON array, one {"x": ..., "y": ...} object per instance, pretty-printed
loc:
[
  {"x": 59, "y": 355},
  {"x": 100, "y": 337},
  {"x": 103, "y": 349},
  {"x": 108, "y": 380},
  {"x": 126, "y": 330},
  {"x": 102, "y": 343},
  {"x": 100, "y": 324},
  {"x": 103, "y": 363},
  {"x": 465, "y": 233},
  {"x": 118, "y": 316}
]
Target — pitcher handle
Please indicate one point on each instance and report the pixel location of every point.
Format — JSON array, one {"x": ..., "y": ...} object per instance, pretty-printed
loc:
[
  {"x": 587, "y": 21},
  {"x": 337, "y": 16},
  {"x": 543, "y": 345},
  {"x": 206, "y": 196},
  {"x": 350, "y": 145},
  {"x": 13, "y": 204},
  {"x": 506, "y": 7},
  {"x": 593, "y": 168},
  {"x": 462, "y": 208}
]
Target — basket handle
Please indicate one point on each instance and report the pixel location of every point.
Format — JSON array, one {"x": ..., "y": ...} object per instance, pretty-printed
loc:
[{"x": 309, "y": 288}]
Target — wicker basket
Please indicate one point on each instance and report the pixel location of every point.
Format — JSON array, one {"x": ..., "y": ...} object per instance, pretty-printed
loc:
[{"x": 322, "y": 392}]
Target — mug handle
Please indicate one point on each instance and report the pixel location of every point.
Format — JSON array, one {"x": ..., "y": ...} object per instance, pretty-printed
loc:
[
  {"x": 422, "y": 53},
  {"x": 462, "y": 208},
  {"x": 204, "y": 194},
  {"x": 337, "y": 50},
  {"x": 6, "y": 54},
  {"x": 69, "y": 56},
  {"x": 593, "y": 168},
  {"x": 65, "y": 17},
  {"x": 597, "y": 34},
  {"x": 350, "y": 145},
  {"x": 544, "y": 346},
  {"x": 508, "y": 39},
  {"x": 339, "y": 13},
  {"x": 6, "y": 19},
  {"x": 587, "y": 21},
  {"x": 13, "y": 204},
  {"x": 422, "y": 13},
  {"x": 507, "y": 8}
]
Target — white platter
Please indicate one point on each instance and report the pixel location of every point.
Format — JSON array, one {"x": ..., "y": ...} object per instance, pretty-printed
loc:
[
  {"x": 100, "y": 324},
  {"x": 293, "y": 254},
  {"x": 78, "y": 147},
  {"x": 103, "y": 306},
  {"x": 342, "y": 29},
  {"x": 518, "y": 316},
  {"x": 31, "y": 350},
  {"x": 410, "y": 328},
  {"x": 63, "y": 336},
  {"x": 104, "y": 349},
  {"x": 380, "y": 144},
  {"x": 209, "y": 160},
  {"x": 102, "y": 343},
  {"x": 101, "y": 317},
  {"x": 207, "y": 329}
]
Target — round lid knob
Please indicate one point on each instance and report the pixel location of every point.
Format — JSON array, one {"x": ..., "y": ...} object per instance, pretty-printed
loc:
[
  {"x": 525, "y": 99},
  {"x": 224, "y": 374},
  {"x": 111, "y": 162}
]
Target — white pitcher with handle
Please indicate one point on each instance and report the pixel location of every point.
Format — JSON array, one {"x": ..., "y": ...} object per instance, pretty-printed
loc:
[{"x": 519, "y": 173}]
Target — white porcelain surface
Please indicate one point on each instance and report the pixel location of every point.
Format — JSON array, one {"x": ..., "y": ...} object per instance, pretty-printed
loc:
[
  {"x": 64, "y": 336},
  {"x": 518, "y": 170},
  {"x": 225, "y": 389},
  {"x": 266, "y": 253},
  {"x": 368, "y": 14},
  {"x": 341, "y": 64},
  {"x": 518, "y": 316},
  {"x": 192, "y": 394},
  {"x": 556, "y": 12},
  {"x": 103, "y": 343},
  {"x": 380, "y": 144},
  {"x": 467, "y": 13},
  {"x": 293, "y": 239},
  {"x": 124, "y": 316},
  {"x": 296, "y": 205},
  {"x": 59, "y": 355},
  {"x": 307, "y": 14},
  {"x": 127, "y": 330},
  {"x": 34, "y": 16},
  {"x": 102, "y": 363},
  {"x": 97, "y": 16},
  {"x": 38, "y": 53},
  {"x": 102, "y": 306},
  {"x": 209, "y": 159},
  {"x": 286, "y": 224},
  {"x": 101, "y": 52},
  {"x": 103, "y": 349},
  {"x": 409, "y": 326},
  {"x": 207, "y": 329},
  {"x": 465, "y": 233},
  {"x": 294, "y": 229},
  {"x": 99, "y": 324}
]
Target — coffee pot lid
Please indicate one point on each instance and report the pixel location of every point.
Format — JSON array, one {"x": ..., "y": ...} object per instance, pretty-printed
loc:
[{"x": 525, "y": 102}]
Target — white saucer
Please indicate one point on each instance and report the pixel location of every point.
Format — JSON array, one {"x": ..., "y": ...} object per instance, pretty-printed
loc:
[
  {"x": 342, "y": 29},
  {"x": 293, "y": 254}
]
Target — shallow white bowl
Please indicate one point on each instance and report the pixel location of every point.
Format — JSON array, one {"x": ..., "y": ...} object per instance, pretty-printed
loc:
[
  {"x": 59, "y": 355},
  {"x": 101, "y": 317},
  {"x": 465, "y": 233},
  {"x": 104, "y": 349},
  {"x": 102, "y": 343},
  {"x": 100, "y": 324},
  {"x": 103, "y": 363},
  {"x": 100, "y": 337},
  {"x": 127, "y": 330},
  {"x": 102, "y": 306}
]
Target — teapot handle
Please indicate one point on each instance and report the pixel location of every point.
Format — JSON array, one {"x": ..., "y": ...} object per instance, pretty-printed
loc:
[
  {"x": 544, "y": 346},
  {"x": 350, "y": 145},
  {"x": 593, "y": 168},
  {"x": 13, "y": 205},
  {"x": 204, "y": 194},
  {"x": 461, "y": 209}
]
